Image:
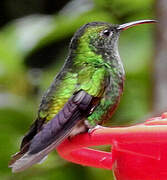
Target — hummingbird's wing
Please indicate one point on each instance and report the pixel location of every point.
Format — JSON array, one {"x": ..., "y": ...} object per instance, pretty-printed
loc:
[
  {"x": 54, "y": 132},
  {"x": 34, "y": 129}
]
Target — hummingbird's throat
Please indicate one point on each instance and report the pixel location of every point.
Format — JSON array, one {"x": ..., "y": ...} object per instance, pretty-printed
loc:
[{"x": 86, "y": 53}]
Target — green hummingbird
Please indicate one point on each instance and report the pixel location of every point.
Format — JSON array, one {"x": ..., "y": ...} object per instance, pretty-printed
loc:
[{"x": 85, "y": 93}]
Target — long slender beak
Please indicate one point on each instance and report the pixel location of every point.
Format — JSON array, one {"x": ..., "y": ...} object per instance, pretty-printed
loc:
[{"x": 134, "y": 23}]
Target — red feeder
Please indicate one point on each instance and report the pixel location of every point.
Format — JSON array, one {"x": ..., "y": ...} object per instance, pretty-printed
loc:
[{"x": 138, "y": 152}]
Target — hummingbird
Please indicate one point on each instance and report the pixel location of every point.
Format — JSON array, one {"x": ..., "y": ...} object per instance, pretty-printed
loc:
[{"x": 84, "y": 94}]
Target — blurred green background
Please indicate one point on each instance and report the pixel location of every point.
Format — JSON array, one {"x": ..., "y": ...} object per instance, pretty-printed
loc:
[{"x": 34, "y": 38}]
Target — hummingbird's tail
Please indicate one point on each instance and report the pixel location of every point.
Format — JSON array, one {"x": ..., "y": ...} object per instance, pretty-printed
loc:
[
  {"x": 25, "y": 161},
  {"x": 54, "y": 132}
]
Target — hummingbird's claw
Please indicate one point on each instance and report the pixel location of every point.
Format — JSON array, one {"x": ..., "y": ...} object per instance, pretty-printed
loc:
[{"x": 91, "y": 130}]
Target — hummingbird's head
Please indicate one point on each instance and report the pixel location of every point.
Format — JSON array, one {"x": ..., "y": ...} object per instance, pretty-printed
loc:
[
  {"x": 95, "y": 36},
  {"x": 100, "y": 37}
]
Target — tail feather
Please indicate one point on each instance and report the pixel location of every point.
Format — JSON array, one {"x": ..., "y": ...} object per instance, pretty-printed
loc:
[
  {"x": 22, "y": 163},
  {"x": 19, "y": 154},
  {"x": 27, "y": 160}
]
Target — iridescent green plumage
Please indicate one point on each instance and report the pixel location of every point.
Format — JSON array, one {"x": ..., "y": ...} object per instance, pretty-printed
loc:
[{"x": 88, "y": 71}]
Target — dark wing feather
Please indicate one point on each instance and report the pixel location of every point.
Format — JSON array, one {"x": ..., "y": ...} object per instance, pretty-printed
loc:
[
  {"x": 34, "y": 129},
  {"x": 55, "y": 131},
  {"x": 62, "y": 124}
]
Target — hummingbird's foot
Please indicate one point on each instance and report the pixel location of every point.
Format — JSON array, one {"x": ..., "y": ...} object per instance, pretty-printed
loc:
[{"x": 91, "y": 130}]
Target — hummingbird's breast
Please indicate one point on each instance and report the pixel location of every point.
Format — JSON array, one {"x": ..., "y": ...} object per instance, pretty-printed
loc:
[{"x": 109, "y": 100}]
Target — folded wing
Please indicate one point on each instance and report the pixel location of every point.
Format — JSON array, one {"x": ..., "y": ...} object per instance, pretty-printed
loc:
[{"x": 54, "y": 132}]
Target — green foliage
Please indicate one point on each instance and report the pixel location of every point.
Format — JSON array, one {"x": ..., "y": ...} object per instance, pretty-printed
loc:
[{"x": 21, "y": 86}]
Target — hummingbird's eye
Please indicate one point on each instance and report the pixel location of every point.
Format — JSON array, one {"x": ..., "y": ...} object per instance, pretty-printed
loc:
[{"x": 107, "y": 33}]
